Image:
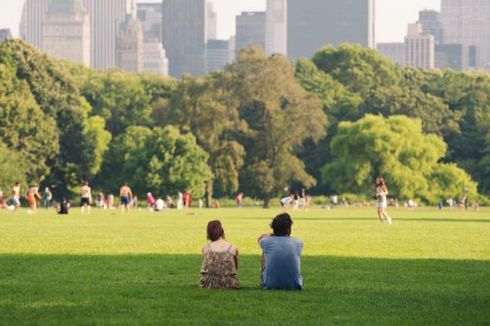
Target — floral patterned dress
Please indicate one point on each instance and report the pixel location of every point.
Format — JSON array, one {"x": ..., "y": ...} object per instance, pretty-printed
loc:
[{"x": 218, "y": 270}]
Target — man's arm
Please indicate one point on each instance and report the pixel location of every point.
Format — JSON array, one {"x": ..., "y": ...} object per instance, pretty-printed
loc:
[{"x": 265, "y": 235}]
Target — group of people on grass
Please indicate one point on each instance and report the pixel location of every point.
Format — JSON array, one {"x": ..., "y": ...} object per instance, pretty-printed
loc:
[
  {"x": 281, "y": 258},
  {"x": 294, "y": 200}
]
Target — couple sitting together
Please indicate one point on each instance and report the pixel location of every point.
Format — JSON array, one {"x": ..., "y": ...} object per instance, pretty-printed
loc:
[{"x": 281, "y": 258}]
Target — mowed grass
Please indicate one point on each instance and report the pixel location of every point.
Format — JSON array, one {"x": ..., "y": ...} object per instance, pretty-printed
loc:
[{"x": 429, "y": 267}]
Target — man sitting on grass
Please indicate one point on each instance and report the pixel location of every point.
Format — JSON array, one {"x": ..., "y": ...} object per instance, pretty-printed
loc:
[{"x": 281, "y": 256}]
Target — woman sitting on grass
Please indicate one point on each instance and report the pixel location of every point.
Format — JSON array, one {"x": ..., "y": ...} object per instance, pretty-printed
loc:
[{"x": 220, "y": 261}]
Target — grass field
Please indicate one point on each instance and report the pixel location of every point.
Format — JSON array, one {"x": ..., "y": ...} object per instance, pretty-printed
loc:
[{"x": 429, "y": 267}]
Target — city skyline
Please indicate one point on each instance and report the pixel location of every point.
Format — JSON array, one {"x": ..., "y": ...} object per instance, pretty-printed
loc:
[{"x": 392, "y": 17}]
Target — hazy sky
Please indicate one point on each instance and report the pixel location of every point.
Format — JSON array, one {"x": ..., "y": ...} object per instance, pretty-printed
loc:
[{"x": 391, "y": 21}]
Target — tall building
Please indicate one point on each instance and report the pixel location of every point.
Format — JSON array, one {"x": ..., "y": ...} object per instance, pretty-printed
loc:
[
  {"x": 393, "y": 51},
  {"x": 419, "y": 48},
  {"x": 276, "y": 27},
  {"x": 184, "y": 35},
  {"x": 104, "y": 17},
  {"x": 217, "y": 55},
  {"x": 66, "y": 31},
  {"x": 432, "y": 24},
  {"x": 232, "y": 48},
  {"x": 312, "y": 24},
  {"x": 453, "y": 56},
  {"x": 31, "y": 24},
  {"x": 467, "y": 22},
  {"x": 250, "y": 30},
  {"x": 211, "y": 22},
  {"x": 150, "y": 16},
  {"x": 154, "y": 58},
  {"x": 5, "y": 34},
  {"x": 129, "y": 45}
]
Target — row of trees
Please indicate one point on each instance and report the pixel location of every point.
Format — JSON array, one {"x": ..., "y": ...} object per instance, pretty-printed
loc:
[{"x": 329, "y": 124}]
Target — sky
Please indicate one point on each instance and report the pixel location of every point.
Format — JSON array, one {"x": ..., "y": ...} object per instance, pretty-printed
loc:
[{"x": 392, "y": 16}]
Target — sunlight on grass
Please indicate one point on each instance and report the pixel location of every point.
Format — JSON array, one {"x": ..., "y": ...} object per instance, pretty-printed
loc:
[{"x": 429, "y": 267}]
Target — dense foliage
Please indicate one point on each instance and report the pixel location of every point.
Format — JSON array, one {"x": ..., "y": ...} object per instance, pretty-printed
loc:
[{"x": 329, "y": 124}]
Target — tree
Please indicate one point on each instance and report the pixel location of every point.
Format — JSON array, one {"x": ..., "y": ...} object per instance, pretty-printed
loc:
[
  {"x": 360, "y": 70},
  {"x": 24, "y": 128},
  {"x": 280, "y": 116},
  {"x": 338, "y": 104},
  {"x": 397, "y": 149},
  {"x": 120, "y": 98},
  {"x": 204, "y": 107},
  {"x": 13, "y": 167},
  {"x": 466, "y": 94},
  {"x": 56, "y": 92},
  {"x": 98, "y": 140},
  {"x": 161, "y": 160}
]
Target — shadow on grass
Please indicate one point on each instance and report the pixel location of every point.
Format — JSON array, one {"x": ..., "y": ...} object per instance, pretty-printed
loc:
[{"x": 128, "y": 289}]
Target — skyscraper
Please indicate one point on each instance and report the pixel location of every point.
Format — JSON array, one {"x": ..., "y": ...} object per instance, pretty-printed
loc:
[
  {"x": 211, "y": 22},
  {"x": 150, "y": 16},
  {"x": 276, "y": 28},
  {"x": 129, "y": 45},
  {"x": 154, "y": 58},
  {"x": 5, "y": 34},
  {"x": 467, "y": 22},
  {"x": 313, "y": 24},
  {"x": 393, "y": 51},
  {"x": 66, "y": 31},
  {"x": 454, "y": 56},
  {"x": 419, "y": 48},
  {"x": 217, "y": 55},
  {"x": 31, "y": 24},
  {"x": 250, "y": 30},
  {"x": 431, "y": 24},
  {"x": 184, "y": 35},
  {"x": 104, "y": 17}
]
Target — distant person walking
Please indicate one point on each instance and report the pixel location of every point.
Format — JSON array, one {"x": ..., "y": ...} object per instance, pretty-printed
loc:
[
  {"x": 15, "y": 196},
  {"x": 31, "y": 195},
  {"x": 126, "y": 195},
  {"x": 220, "y": 260},
  {"x": 381, "y": 202},
  {"x": 239, "y": 199},
  {"x": 85, "y": 198},
  {"x": 47, "y": 197}
]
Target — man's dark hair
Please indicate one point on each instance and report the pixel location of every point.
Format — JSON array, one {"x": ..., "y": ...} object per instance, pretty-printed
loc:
[{"x": 281, "y": 225}]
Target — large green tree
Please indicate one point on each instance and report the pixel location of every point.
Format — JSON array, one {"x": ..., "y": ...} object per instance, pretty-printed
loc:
[
  {"x": 24, "y": 128},
  {"x": 13, "y": 169},
  {"x": 56, "y": 92},
  {"x": 205, "y": 107},
  {"x": 160, "y": 160},
  {"x": 397, "y": 149},
  {"x": 280, "y": 116}
]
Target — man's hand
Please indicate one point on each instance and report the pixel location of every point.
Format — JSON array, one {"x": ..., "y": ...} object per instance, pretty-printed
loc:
[{"x": 265, "y": 235}]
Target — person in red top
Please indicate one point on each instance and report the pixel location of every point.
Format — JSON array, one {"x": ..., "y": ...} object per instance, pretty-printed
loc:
[
  {"x": 185, "y": 199},
  {"x": 239, "y": 199},
  {"x": 150, "y": 201}
]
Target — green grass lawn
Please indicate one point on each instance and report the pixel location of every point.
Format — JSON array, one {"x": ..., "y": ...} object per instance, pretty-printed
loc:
[{"x": 429, "y": 267}]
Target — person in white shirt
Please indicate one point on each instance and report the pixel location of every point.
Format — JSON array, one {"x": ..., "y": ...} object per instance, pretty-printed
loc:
[
  {"x": 381, "y": 200},
  {"x": 159, "y": 205}
]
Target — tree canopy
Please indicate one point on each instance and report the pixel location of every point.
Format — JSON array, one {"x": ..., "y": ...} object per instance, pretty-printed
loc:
[{"x": 263, "y": 124}]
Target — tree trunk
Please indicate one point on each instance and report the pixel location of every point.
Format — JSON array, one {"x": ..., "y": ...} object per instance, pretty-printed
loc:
[
  {"x": 209, "y": 193},
  {"x": 266, "y": 202}
]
